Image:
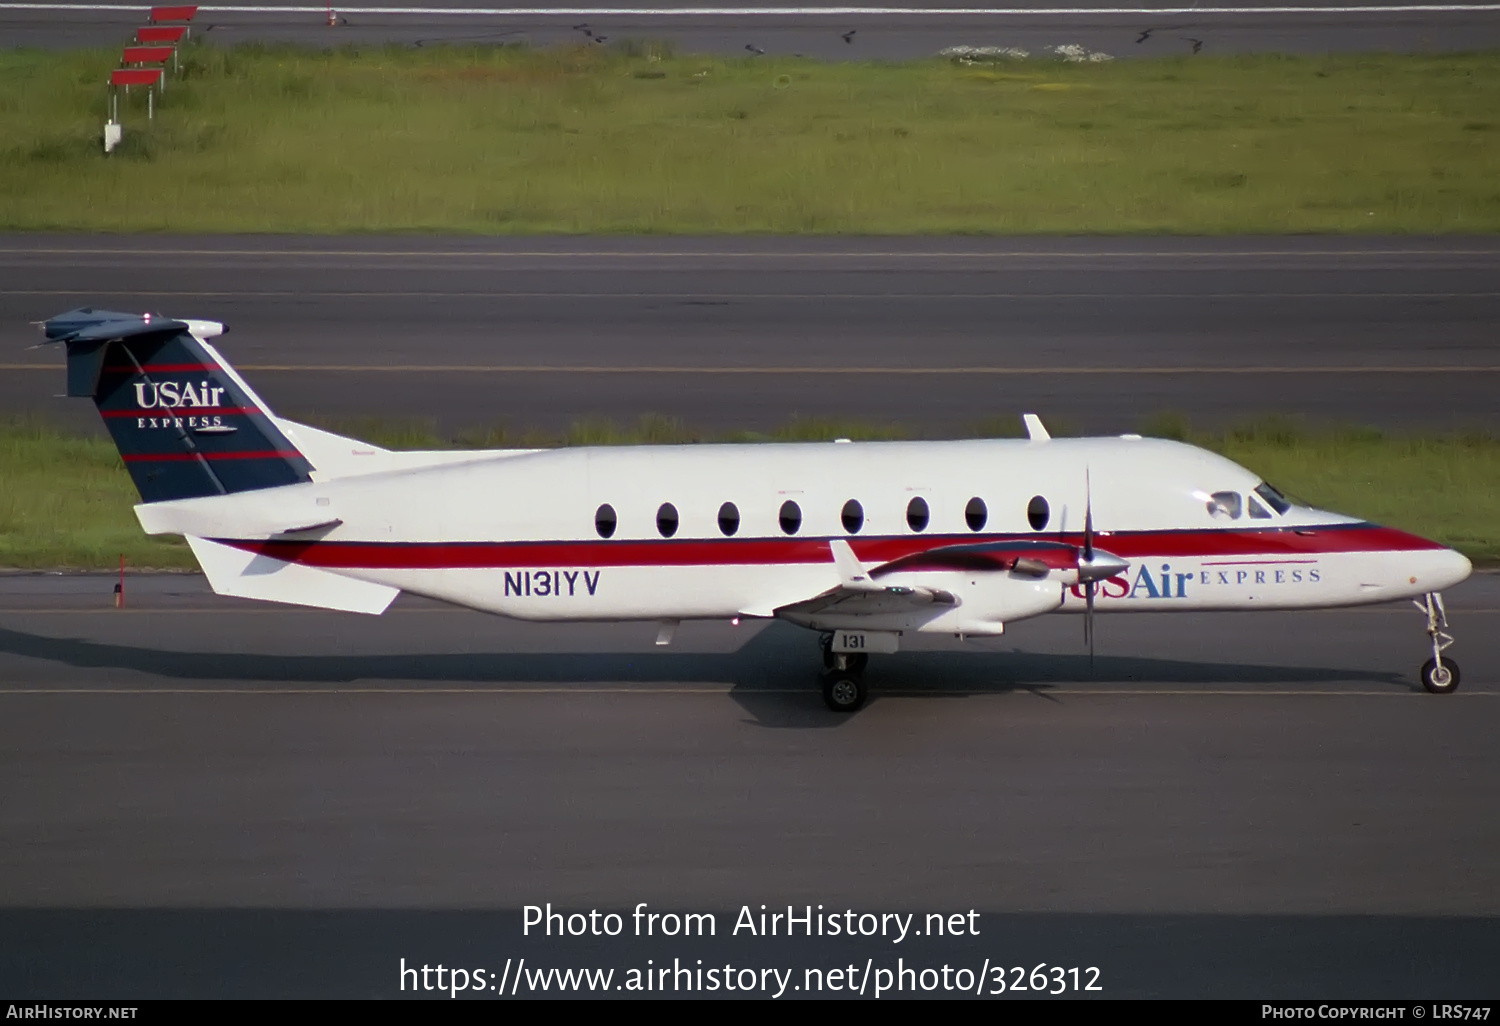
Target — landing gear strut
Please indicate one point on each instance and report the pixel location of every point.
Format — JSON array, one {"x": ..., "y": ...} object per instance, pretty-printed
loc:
[
  {"x": 1439, "y": 675},
  {"x": 843, "y": 681}
]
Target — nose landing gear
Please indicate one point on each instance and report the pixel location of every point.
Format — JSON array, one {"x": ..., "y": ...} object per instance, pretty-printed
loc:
[
  {"x": 843, "y": 677},
  {"x": 1439, "y": 675}
]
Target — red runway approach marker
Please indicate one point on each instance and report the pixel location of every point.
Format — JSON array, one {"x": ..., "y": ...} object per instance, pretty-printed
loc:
[
  {"x": 160, "y": 14},
  {"x": 177, "y": 14},
  {"x": 128, "y": 77},
  {"x": 148, "y": 54},
  {"x": 160, "y": 34},
  {"x": 134, "y": 76},
  {"x": 151, "y": 55}
]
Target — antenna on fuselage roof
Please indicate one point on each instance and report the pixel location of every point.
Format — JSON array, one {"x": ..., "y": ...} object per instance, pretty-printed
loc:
[{"x": 1034, "y": 429}]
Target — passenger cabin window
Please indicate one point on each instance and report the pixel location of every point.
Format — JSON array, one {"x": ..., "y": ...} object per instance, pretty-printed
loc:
[
  {"x": 666, "y": 520},
  {"x": 729, "y": 519},
  {"x": 791, "y": 517},
  {"x": 976, "y": 514},
  {"x": 1273, "y": 498},
  {"x": 853, "y": 516},
  {"x": 1038, "y": 513},
  {"x": 1255, "y": 509},
  {"x": 1224, "y": 504},
  {"x": 604, "y": 521},
  {"x": 917, "y": 514}
]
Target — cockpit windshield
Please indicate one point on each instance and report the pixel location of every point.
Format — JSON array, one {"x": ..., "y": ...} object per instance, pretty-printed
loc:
[
  {"x": 1224, "y": 504},
  {"x": 1273, "y": 498}
]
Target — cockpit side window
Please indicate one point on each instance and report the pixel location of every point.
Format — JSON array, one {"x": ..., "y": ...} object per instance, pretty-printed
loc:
[
  {"x": 1225, "y": 504},
  {"x": 1255, "y": 509},
  {"x": 1273, "y": 498}
]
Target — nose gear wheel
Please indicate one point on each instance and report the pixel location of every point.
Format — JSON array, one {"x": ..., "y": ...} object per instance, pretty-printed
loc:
[{"x": 1439, "y": 676}]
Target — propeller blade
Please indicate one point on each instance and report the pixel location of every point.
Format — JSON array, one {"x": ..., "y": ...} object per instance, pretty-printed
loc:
[
  {"x": 1088, "y": 621},
  {"x": 1088, "y": 557},
  {"x": 1088, "y": 518}
]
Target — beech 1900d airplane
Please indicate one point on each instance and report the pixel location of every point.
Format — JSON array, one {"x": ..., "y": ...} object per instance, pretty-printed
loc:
[{"x": 862, "y": 542}]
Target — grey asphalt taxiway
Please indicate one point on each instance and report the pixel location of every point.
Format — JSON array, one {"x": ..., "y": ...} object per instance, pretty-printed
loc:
[
  {"x": 843, "y": 33},
  {"x": 206, "y": 796},
  {"x": 940, "y": 336}
]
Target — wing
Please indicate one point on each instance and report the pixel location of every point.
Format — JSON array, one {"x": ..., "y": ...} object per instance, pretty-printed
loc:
[
  {"x": 858, "y": 595},
  {"x": 1000, "y": 581},
  {"x": 857, "y": 602}
]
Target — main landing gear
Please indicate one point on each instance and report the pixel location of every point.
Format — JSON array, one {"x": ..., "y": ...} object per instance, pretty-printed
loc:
[
  {"x": 843, "y": 677},
  {"x": 1439, "y": 675}
]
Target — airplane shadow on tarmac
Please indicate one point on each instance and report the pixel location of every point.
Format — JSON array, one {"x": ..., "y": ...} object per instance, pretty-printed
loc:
[{"x": 773, "y": 676}]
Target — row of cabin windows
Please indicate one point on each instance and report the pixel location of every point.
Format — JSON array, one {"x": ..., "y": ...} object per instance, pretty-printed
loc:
[{"x": 852, "y": 516}]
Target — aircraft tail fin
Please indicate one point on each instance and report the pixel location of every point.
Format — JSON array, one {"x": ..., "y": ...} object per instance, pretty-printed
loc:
[{"x": 186, "y": 424}]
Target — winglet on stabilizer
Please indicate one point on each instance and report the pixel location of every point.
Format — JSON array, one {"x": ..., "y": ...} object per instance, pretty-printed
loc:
[{"x": 1034, "y": 429}]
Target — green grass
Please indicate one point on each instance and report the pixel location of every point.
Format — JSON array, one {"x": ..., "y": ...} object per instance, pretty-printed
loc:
[
  {"x": 510, "y": 140},
  {"x": 65, "y": 501}
]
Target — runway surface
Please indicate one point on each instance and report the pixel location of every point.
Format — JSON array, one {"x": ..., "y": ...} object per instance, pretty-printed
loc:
[
  {"x": 206, "y": 796},
  {"x": 804, "y": 30},
  {"x": 941, "y": 336}
]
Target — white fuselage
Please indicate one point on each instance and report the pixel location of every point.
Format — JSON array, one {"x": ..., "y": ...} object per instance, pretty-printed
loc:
[{"x": 518, "y": 533}]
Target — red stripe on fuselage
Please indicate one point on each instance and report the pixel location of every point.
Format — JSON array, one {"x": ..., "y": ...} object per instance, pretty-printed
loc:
[{"x": 781, "y": 551}]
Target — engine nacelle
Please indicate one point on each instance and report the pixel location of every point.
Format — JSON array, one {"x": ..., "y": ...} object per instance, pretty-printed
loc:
[
  {"x": 987, "y": 602},
  {"x": 947, "y": 602}
]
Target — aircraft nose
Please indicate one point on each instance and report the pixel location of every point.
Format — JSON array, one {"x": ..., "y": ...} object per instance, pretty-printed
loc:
[{"x": 1443, "y": 569}]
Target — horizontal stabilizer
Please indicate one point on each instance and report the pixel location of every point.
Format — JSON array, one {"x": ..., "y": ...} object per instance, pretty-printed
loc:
[
  {"x": 244, "y": 515},
  {"x": 89, "y": 325},
  {"x": 87, "y": 334},
  {"x": 241, "y": 574}
]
